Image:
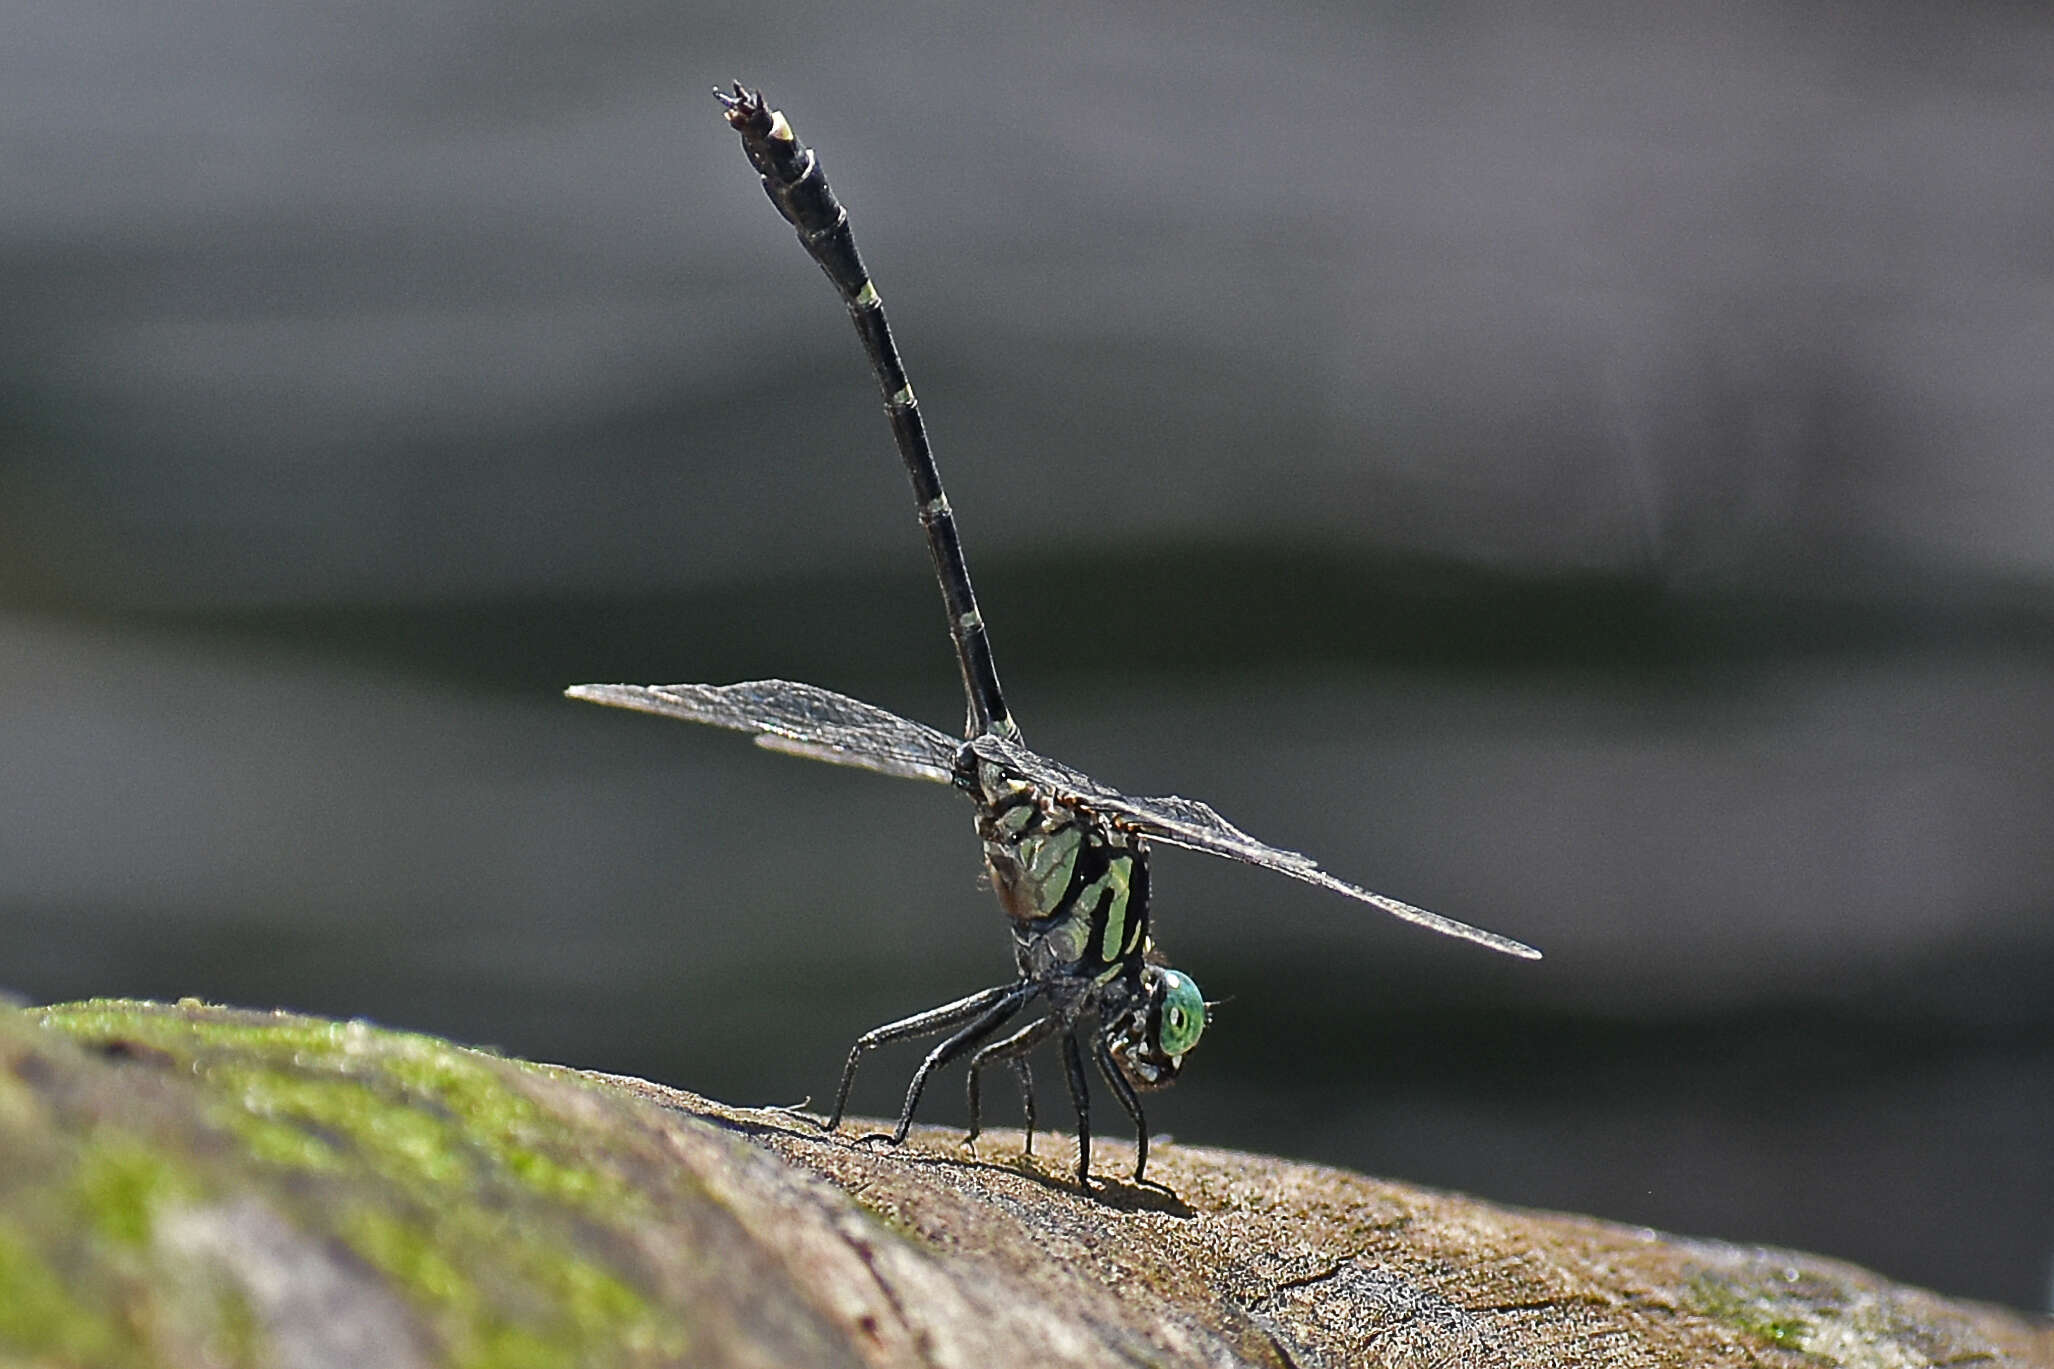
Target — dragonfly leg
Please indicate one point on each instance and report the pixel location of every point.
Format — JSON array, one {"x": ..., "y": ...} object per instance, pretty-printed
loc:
[
  {"x": 1080, "y": 1098},
  {"x": 1026, "y": 1077},
  {"x": 1013, "y": 1050},
  {"x": 1124, "y": 1091},
  {"x": 920, "y": 1024},
  {"x": 987, "y": 1022}
]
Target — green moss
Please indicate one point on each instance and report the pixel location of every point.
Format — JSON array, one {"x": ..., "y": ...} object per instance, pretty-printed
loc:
[
  {"x": 408, "y": 1252},
  {"x": 236, "y": 1337},
  {"x": 1769, "y": 1316},
  {"x": 301, "y": 1092},
  {"x": 440, "y": 1170},
  {"x": 39, "y": 1319},
  {"x": 119, "y": 1186},
  {"x": 573, "y": 1305}
]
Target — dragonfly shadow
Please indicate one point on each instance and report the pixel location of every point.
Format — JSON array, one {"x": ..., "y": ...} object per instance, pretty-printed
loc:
[{"x": 939, "y": 1153}]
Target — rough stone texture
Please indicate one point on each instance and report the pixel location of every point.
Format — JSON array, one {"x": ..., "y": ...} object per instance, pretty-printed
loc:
[{"x": 186, "y": 1185}]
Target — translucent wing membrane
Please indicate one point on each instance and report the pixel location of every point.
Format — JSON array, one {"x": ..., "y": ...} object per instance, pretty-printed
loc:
[
  {"x": 1195, "y": 826},
  {"x": 799, "y": 719},
  {"x": 1446, "y": 926},
  {"x": 819, "y": 724}
]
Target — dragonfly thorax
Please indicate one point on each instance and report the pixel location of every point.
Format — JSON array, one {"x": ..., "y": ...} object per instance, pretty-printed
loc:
[
  {"x": 1076, "y": 888},
  {"x": 1074, "y": 885}
]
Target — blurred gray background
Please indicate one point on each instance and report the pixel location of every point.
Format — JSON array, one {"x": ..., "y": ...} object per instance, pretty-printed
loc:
[{"x": 1586, "y": 474}]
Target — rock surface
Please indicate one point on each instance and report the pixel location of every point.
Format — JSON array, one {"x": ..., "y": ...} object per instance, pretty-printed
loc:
[{"x": 189, "y": 1185}]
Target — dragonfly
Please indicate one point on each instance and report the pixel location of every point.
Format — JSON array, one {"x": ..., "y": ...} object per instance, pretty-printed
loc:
[{"x": 1067, "y": 856}]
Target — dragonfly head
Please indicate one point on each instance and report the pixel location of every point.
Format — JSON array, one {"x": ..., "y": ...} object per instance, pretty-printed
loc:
[{"x": 1151, "y": 1036}]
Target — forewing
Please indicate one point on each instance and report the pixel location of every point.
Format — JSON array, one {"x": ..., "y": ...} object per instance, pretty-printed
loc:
[
  {"x": 1195, "y": 826},
  {"x": 798, "y": 719}
]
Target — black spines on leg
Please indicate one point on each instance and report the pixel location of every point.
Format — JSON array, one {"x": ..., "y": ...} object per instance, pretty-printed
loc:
[
  {"x": 971, "y": 1036},
  {"x": 1102, "y": 1056},
  {"x": 1024, "y": 1074},
  {"x": 929, "y": 1023},
  {"x": 1013, "y": 1051},
  {"x": 1080, "y": 1098}
]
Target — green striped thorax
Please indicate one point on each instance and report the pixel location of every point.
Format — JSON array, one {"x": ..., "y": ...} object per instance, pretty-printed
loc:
[{"x": 1076, "y": 888}]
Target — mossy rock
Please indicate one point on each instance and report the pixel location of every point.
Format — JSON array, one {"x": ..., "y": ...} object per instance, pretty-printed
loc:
[{"x": 195, "y": 1186}]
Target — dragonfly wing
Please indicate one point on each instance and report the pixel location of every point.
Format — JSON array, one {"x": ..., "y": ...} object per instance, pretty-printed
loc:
[
  {"x": 1180, "y": 821},
  {"x": 1446, "y": 926},
  {"x": 1197, "y": 827},
  {"x": 798, "y": 719},
  {"x": 862, "y": 760}
]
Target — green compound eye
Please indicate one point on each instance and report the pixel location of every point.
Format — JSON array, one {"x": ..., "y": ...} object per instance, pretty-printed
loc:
[{"x": 1183, "y": 1014}]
